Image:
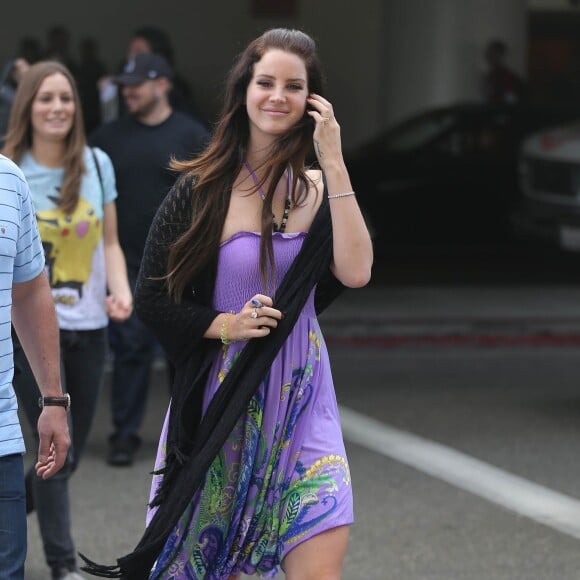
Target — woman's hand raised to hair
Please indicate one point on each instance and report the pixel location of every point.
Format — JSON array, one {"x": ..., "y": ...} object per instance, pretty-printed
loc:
[{"x": 327, "y": 144}]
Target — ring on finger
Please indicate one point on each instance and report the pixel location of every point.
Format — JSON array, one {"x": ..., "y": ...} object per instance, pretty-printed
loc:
[
  {"x": 256, "y": 303},
  {"x": 254, "y": 313}
]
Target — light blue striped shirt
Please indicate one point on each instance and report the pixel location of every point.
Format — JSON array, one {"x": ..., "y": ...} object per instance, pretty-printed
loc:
[{"x": 21, "y": 259}]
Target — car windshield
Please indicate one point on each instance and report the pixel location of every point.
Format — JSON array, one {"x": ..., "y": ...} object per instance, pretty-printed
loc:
[{"x": 418, "y": 131}]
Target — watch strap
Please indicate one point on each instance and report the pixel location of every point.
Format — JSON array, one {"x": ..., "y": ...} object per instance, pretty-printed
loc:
[{"x": 63, "y": 401}]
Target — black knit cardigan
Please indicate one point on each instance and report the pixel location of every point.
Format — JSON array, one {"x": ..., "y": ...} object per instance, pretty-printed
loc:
[{"x": 194, "y": 441}]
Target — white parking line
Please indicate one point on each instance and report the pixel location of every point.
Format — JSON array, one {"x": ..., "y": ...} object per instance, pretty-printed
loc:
[{"x": 517, "y": 494}]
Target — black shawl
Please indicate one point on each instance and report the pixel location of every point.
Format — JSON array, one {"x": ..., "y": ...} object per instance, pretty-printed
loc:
[{"x": 194, "y": 441}]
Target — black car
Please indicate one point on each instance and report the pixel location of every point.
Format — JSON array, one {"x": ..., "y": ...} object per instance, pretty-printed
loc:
[{"x": 446, "y": 177}]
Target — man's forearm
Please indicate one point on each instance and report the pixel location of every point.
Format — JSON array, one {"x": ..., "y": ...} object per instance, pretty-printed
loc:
[{"x": 35, "y": 322}]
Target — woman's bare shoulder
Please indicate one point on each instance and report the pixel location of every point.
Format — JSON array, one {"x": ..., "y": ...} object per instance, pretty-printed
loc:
[
  {"x": 315, "y": 176},
  {"x": 303, "y": 214}
]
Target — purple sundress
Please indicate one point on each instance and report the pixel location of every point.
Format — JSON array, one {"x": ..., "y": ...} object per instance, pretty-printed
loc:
[{"x": 282, "y": 475}]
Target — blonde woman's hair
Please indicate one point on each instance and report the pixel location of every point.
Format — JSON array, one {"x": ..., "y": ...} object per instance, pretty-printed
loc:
[{"x": 19, "y": 135}]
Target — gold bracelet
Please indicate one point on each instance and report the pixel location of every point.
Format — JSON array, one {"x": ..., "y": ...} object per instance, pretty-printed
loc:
[
  {"x": 341, "y": 195},
  {"x": 224, "y": 329}
]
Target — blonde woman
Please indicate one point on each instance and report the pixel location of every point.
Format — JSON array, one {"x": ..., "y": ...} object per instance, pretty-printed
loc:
[{"x": 73, "y": 191}]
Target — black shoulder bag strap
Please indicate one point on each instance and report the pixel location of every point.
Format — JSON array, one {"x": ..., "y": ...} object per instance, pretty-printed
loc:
[{"x": 98, "y": 168}]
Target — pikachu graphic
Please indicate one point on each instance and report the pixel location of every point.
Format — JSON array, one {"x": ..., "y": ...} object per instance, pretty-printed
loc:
[{"x": 69, "y": 242}]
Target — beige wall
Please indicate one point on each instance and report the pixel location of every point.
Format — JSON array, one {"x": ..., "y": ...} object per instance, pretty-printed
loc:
[
  {"x": 208, "y": 34},
  {"x": 436, "y": 57},
  {"x": 384, "y": 59},
  {"x": 553, "y": 5}
]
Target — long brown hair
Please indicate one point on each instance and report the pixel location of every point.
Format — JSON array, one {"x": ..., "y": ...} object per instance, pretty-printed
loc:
[
  {"x": 216, "y": 168},
  {"x": 19, "y": 135}
]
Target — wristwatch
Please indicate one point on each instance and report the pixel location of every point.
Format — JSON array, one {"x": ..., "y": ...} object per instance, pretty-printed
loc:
[{"x": 63, "y": 401}]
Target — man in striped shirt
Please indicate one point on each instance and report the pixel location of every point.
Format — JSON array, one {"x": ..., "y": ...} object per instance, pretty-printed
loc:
[{"x": 26, "y": 302}]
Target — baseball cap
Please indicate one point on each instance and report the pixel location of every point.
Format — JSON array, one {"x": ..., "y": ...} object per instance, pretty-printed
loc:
[{"x": 144, "y": 67}]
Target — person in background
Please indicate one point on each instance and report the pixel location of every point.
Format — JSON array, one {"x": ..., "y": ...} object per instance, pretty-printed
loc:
[
  {"x": 150, "y": 39},
  {"x": 30, "y": 49},
  {"x": 500, "y": 84},
  {"x": 73, "y": 191},
  {"x": 251, "y": 472},
  {"x": 25, "y": 294},
  {"x": 153, "y": 39},
  {"x": 140, "y": 145},
  {"x": 91, "y": 69},
  {"x": 10, "y": 76},
  {"x": 58, "y": 42},
  {"x": 29, "y": 52}
]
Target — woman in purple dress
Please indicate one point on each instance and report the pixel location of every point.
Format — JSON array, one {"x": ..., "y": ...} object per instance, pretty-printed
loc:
[{"x": 251, "y": 471}]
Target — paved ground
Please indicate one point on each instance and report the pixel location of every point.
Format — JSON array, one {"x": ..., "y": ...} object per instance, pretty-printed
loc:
[
  {"x": 422, "y": 522},
  {"x": 410, "y": 312}
]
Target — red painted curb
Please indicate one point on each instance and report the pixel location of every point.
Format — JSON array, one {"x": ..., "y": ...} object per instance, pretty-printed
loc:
[{"x": 460, "y": 339}]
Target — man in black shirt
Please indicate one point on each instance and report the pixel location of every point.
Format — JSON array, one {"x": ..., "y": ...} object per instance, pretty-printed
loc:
[{"x": 140, "y": 145}]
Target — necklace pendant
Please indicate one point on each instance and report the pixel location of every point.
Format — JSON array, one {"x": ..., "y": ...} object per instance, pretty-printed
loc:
[{"x": 282, "y": 227}]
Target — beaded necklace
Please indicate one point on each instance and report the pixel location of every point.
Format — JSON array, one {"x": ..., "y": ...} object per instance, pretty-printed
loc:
[{"x": 282, "y": 227}]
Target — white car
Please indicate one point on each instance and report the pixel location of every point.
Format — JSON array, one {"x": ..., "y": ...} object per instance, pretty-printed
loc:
[{"x": 550, "y": 184}]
